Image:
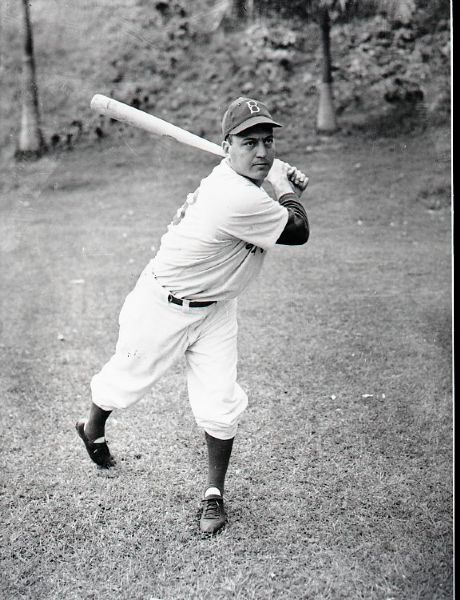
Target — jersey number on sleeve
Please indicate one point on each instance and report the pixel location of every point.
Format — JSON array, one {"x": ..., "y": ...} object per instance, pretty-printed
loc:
[{"x": 180, "y": 214}]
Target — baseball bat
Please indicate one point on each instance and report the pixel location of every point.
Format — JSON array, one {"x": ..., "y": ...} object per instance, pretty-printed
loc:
[
  {"x": 119, "y": 111},
  {"x": 139, "y": 118}
]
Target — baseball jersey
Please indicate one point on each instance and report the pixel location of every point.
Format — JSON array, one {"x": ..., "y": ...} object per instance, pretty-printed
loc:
[{"x": 217, "y": 242}]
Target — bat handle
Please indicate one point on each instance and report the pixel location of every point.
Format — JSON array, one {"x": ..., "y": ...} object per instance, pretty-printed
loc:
[
  {"x": 303, "y": 186},
  {"x": 299, "y": 186}
]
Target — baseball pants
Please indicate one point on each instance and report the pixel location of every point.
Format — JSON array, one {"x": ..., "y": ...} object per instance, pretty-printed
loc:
[{"x": 154, "y": 334}]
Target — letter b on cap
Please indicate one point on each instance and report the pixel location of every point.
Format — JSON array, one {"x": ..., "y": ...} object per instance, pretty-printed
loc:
[{"x": 253, "y": 106}]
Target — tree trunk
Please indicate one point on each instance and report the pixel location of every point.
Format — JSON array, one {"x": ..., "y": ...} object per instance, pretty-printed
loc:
[
  {"x": 243, "y": 10},
  {"x": 30, "y": 142},
  {"x": 326, "y": 120}
]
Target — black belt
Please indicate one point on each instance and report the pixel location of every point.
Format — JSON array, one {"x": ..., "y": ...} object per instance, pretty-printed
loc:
[{"x": 192, "y": 303}]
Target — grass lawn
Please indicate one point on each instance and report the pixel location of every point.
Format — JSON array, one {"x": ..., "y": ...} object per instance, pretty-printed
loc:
[{"x": 340, "y": 485}]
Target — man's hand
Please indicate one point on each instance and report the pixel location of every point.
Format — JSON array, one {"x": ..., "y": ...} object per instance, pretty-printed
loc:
[
  {"x": 286, "y": 179},
  {"x": 298, "y": 179}
]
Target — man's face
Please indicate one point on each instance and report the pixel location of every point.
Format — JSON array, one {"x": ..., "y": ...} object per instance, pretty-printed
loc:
[{"x": 251, "y": 153}]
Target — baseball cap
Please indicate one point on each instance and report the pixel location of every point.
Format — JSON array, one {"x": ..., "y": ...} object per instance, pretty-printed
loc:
[{"x": 244, "y": 113}]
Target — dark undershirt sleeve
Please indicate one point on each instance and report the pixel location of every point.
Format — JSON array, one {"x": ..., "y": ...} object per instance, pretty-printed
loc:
[{"x": 297, "y": 229}]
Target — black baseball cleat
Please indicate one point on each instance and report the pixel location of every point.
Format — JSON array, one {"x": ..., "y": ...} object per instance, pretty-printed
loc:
[
  {"x": 213, "y": 517},
  {"x": 98, "y": 451}
]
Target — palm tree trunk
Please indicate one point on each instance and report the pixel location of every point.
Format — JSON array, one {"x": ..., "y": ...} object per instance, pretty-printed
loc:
[
  {"x": 243, "y": 10},
  {"x": 326, "y": 120},
  {"x": 30, "y": 143}
]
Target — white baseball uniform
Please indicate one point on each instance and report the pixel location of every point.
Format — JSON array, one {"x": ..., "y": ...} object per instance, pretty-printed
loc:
[{"x": 214, "y": 247}]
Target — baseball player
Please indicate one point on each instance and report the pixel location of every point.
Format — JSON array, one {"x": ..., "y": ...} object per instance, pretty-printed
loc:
[{"x": 185, "y": 301}]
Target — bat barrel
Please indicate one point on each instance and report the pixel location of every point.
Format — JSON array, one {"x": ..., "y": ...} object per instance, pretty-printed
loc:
[{"x": 138, "y": 118}]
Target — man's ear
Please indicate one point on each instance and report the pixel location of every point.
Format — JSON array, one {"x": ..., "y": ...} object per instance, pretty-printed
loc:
[{"x": 226, "y": 147}]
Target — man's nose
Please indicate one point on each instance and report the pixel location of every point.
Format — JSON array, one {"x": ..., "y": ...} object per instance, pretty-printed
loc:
[{"x": 261, "y": 149}]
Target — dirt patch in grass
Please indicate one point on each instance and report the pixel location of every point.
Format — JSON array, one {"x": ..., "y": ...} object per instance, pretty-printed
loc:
[{"x": 340, "y": 484}]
